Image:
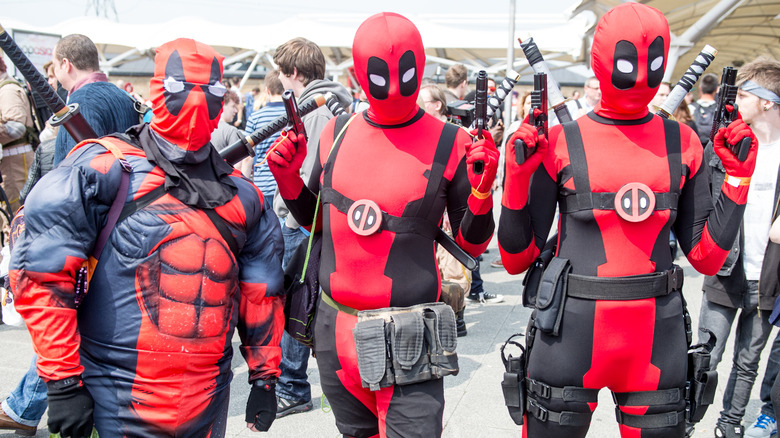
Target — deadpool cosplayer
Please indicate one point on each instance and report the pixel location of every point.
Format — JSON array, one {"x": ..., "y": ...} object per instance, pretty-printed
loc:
[
  {"x": 381, "y": 165},
  {"x": 621, "y": 178},
  {"x": 194, "y": 254}
]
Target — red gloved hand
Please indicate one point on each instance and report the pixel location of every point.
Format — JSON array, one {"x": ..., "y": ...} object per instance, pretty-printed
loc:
[
  {"x": 733, "y": 134},
  {"x": 285, "y": 158},
  {"x": 738, "y": 173},
  {"x": 484, "y": 150},
  {"x": 518, "y": 176}
]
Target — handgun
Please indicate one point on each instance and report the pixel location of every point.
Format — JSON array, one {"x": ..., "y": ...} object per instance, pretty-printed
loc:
[
  {"x": 480, "y": 114},
  {"x": 538, "y": 101},
  {"x": 727, "y": 96},
  {"x": 295, "y": 124}
]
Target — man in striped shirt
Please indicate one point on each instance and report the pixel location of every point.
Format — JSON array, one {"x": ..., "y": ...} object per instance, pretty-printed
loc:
[{"x": 273, "y": 108}]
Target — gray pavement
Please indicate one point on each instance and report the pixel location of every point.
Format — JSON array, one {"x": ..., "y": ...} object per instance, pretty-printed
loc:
[{"x": 474, "y": 403}]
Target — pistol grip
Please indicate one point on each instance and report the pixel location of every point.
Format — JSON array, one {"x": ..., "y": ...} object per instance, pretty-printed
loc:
[
  {"x": 522, "y": 152},
  {"x": 741, "y": 149}
]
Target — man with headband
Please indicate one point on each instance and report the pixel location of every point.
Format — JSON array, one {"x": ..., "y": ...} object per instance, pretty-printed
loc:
[
  {"x": 623, "y": 177},
  {"x": 746, "y": 287},
  {"x": 194, "y": 254},
  {"x": 381, "y": 165}
]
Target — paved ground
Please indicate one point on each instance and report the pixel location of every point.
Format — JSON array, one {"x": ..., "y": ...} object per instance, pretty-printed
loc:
[{"x": 474, "y": 401}]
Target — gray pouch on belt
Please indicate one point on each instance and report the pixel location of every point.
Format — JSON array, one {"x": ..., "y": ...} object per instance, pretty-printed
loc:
[
  {"x": 410, "y": 356},
  {"x": 440, "y": 324},
  {"x": 372, "y": 351},
  {"x": 417, "y": 344}
]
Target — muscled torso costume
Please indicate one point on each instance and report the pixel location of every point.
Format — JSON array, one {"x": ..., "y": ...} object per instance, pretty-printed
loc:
[
  {"x": 630, "y": 179},
  {"x": 152, "y": 338},
  {"x": 385, "y": 155}
]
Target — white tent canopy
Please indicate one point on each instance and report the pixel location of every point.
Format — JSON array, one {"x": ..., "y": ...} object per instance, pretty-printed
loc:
[{"x": 477, "y": 40}]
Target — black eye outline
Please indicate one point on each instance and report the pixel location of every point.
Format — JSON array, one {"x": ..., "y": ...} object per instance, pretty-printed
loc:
[
  {"x": 175, "y": 80},
  {"x": 625, "y": 51},
  {"x": 378, "y": 67},
  {"x": 655, "y": 51},
  {"x": 407, "y": 63}
]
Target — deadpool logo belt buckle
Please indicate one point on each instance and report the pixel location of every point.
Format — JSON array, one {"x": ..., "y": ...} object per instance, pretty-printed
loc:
[
  {"x": 634, "y": 202},
  {"x": 364, "y": 217}
]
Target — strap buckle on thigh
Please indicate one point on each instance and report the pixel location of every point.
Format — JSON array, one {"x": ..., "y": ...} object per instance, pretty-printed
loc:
[
  {"x": 566, "y": 393},
  {"x": 564, "y": 418}
]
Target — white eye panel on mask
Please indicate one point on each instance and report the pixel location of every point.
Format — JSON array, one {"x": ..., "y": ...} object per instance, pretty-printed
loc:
[
  {"x": 172, "y": 85},
  {"x": 624, "y": 66},
  {"x": 217, "y": 89},
  {"x": 657, "y": 63},
  {"x": 379, "y": 81},
  {"x": 408, "y": 75}
]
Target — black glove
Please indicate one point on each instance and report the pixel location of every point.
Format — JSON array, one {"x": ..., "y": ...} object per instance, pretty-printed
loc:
[
  {"x": 70, "y": 408},
  {"x": 261, "y": 405}
]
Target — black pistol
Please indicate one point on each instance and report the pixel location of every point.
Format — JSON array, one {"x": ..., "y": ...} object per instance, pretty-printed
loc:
[
  {"x": 538, "y": 101},
  {"x": 480, "y": 114},
  {"x": 727, "y": 96},
  {"x": 295, "y": 124}
]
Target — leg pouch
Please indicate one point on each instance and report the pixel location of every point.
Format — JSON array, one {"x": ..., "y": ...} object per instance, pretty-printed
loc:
[
  {"x": 513, "y": 385},
  {"x": 551, "y": 296},
  {"x": 702, "y": 381}
]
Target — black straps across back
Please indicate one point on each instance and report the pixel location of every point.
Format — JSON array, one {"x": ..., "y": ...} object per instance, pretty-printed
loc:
[
  {"x": 585, "y": 199},
  {"x": 224, "y": 230}
]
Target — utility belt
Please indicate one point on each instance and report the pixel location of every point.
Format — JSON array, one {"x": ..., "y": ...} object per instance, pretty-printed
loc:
[
  {"x": 547, "y": 291},
  {"x": 523, "y": 395},
  {"x": 405, "y": 345}
]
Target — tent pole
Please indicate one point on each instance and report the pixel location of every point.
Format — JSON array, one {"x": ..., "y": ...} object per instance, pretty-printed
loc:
[
  {"x": 510, "y": 60},
  {"x": 683, "y": 43}
]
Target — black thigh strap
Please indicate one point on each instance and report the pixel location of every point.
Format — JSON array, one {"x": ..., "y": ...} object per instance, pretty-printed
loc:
[
  {"x": 650, "y": 421},
  {"x": 635, "y": 287},
  {"x": 566, "y": 393},
  {"x": 564, "y": 418},
  {"x": 648, "y": 398}
]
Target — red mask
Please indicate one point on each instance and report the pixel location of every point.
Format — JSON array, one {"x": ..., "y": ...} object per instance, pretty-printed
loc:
[
  {"x": 630, "y": 49},
  {"x": 389, "y": 60},
  {"x": 186, "y": 92}
]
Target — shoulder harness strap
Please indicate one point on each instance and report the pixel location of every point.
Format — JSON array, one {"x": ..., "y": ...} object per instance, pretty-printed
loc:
[
  {"x": 585, "y": 199},
  {"x": 121, "y": 195}
]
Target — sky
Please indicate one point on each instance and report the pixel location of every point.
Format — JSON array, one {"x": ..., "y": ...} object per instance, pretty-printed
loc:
[{"x": 245, "y": 12}]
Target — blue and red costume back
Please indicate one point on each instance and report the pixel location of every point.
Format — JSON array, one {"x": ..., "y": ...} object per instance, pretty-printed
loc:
[{"x": 152, "y": 339}]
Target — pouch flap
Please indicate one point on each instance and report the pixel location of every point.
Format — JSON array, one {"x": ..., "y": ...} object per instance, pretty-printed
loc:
[
  {"x": 707, "y": 385},
  {"x": 552, "y": 275},
  {"x": 445, "y": 326},
  {"x": 371, "y": 352},
  {"x": 408, "y": 335},
  {"x": 511, "y": 388}
]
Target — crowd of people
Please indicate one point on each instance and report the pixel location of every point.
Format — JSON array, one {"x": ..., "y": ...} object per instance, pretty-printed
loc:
[{"x": 137, "y": 255}]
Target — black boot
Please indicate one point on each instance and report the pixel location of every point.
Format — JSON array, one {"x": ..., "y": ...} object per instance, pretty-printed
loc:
[{"x": 460, "y": 324}]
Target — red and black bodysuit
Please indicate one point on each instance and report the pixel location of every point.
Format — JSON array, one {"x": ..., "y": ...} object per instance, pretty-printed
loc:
[
  {"x": 622, "y": 179},
  {"x": 385, "y": 155}
]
